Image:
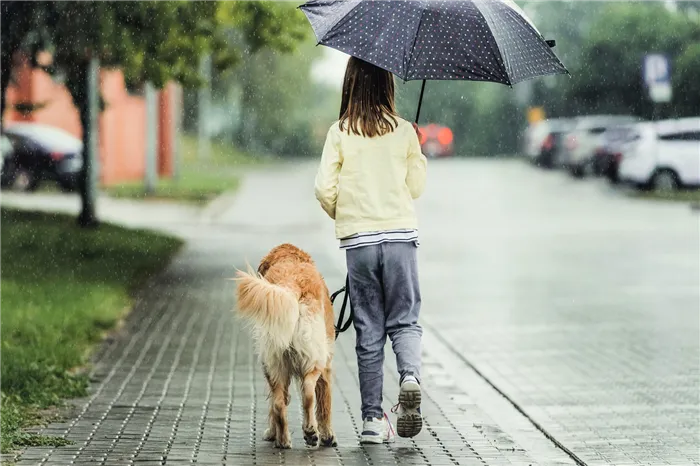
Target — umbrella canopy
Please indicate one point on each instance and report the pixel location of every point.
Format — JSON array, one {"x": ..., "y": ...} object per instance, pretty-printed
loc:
[{"x": 476, "y": 40}]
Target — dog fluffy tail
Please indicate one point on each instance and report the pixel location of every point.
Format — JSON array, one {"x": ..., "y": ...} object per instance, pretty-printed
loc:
[{"x": 272, "y": 309}]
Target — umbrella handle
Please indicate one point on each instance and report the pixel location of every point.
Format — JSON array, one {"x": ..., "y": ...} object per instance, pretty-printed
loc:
[{"x": 420, "y": 101}]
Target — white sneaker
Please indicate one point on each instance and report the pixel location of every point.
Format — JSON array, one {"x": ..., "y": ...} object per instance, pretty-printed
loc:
[
  {"x": 377, "y": 430},
  {"x": 409, "y": 421}
]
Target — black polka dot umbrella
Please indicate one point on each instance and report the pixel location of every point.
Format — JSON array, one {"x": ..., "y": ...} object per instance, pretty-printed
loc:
[{"x": 475, "y": 40}]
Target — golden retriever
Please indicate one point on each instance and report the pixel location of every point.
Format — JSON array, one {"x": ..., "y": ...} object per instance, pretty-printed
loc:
[{"x": 288, "y": 303}]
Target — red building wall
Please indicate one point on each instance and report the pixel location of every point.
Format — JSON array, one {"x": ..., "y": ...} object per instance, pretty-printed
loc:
[{"x": 122, "y": 138}]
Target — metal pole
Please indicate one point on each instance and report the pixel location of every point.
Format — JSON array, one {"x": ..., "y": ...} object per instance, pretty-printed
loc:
[
  {"x": 176, "y": 119},
  {"x": 420, "y": 100},
  {"x": 204, "y": 108},
  {"x": 94, "y": 106},
  {"x": 151, "y": 175}
]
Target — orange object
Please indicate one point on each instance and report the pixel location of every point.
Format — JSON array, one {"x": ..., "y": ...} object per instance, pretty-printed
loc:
[{"x": 445, "y": 136}]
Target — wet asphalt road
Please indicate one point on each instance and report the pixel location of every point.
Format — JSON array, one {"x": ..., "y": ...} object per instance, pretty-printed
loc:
[{"x": 580, "y": 304}]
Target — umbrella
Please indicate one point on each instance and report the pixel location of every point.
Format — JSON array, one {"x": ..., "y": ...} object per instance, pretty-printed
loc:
[{"x": 475, "y": 40}]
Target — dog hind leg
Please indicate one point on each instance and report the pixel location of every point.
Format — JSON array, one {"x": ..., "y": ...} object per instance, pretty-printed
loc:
[
  {"x": 310, "y": 426},
  {"x": 323, "y": 409},
  {"x": 271, "y": 431},
  {"x": 278, "y": 415}
]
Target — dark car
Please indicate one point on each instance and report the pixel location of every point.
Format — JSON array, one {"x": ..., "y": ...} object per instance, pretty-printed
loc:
[
  {"x": 544, "y": 141},
  {"x": 41, "y": 152},
  {"x": 6, "y": 150},
  {"x": 608, "y": 154},
  {"x": 436, "y": 141}
]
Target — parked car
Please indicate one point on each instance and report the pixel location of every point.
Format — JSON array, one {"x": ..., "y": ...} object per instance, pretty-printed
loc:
[
  {"x": 436, "y": 141},
  {"x": 582, "y": 141},
  {"x": 664, "y": 155},
  {"x": 41, "y": 152},
  {"x": 606, "y": 159},
  {"x": 544, "y": 141}
]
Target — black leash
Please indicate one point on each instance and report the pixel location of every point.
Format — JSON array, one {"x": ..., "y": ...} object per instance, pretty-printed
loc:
[{"x": 340, "y": 327}]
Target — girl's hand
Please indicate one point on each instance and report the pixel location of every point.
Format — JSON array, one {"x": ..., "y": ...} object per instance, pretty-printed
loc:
[{"x": 415, "y": 127}]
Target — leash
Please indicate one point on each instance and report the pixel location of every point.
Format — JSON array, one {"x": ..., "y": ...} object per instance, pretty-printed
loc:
[{"x": 340, "y": 327}]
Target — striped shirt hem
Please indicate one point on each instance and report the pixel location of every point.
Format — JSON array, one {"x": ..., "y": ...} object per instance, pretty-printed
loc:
[{"x": 378, "y": 237}]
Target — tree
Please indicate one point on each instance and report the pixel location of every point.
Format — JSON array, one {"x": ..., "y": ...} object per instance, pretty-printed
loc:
[
  {"x": 608, "y": 77},
  {"x": 150, "y": 41},
  {"x": 686, "y": 81},
  {"x": 280, "y": 104},
  {"x": 15, "y": 23}
]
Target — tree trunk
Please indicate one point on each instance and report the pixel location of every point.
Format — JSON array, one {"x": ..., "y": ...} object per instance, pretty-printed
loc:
[{"x": 5, "y": 74}]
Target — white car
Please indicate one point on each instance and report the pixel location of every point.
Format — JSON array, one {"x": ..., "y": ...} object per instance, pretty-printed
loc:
[
  {"x": 584, "y": 139},
  {"x": 664, "y": 155},
  {"x": 5, "y": 151}
]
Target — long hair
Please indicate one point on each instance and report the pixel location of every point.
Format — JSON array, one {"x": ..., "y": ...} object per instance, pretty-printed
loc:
[{"x": 367, "y": 106}]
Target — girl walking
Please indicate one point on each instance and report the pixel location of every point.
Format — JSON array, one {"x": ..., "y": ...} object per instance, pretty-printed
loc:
[{"x": 371, "y": 170}]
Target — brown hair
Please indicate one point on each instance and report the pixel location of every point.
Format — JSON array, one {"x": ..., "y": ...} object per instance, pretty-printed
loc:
[{"x": 367, "y": 105}]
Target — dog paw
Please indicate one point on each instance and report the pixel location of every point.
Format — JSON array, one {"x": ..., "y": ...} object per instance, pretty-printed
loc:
[
  {"x": 311, "y": 437},
  {"x": 283, "y": 444},
  {"x": 329, "y": 441},
  {"x": 269, "y": 435}
]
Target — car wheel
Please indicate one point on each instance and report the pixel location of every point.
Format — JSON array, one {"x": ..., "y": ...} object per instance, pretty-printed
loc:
[
  {"x": 9, "y": 171},
  {"x": 576, "y": 171},
  {"x": 665, "y": 181},
  {"x": 25, "y": 180}
]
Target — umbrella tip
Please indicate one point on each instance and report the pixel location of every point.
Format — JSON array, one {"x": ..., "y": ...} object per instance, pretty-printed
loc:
[{"x": 552, "y": 43}]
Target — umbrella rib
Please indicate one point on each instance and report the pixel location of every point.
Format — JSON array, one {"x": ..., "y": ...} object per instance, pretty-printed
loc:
[
  {"x": 415, "y": 39},
  {"x": 345, "y": 16},
  {"x": 509, "y": 81}
]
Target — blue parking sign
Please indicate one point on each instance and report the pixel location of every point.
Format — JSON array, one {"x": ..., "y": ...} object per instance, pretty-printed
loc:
[{"x": 656, "y": 72}]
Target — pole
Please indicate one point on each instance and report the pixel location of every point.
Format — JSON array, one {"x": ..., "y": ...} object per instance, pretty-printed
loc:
[
  {"x": 420, "y": 100},
  {"x": 176, "y": 99},
  {"x": 204, "y": 108},
  {"x": 150, "y": 175},
  {"x": 91, "y": 158}
]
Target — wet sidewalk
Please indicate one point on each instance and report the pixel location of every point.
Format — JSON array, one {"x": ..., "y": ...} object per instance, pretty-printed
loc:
[{"x": 180, "y": 383}]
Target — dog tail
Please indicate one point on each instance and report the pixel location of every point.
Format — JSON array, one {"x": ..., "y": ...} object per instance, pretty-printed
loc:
[{"x": 272, "y": 309}]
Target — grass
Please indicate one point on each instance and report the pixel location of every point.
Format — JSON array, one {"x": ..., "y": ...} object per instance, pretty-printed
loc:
[
  {"x": 689, "y": 195},
  {"x": 63, "y": 288},
  {"x": 199, "y": 181}
]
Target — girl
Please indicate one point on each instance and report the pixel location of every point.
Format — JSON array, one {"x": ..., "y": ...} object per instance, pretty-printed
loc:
[{"x": 371, "y": 170}]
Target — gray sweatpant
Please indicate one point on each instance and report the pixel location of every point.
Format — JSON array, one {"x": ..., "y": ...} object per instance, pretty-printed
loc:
[{"x": 385, "y": 298}]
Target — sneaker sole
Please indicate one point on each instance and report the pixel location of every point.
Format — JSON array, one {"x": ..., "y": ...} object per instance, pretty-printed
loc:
[
  {"x": 373, "y": 440},
  {"x": 410, "y": 422}
]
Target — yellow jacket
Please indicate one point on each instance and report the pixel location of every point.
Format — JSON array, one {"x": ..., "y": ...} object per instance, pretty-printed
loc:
[{"x": 368, "y": 184}]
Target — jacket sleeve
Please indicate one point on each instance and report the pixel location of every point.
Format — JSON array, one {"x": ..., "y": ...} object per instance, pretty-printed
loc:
[
  {"x": 417, "y": 167},
  {"x": 326, "y": 184}
]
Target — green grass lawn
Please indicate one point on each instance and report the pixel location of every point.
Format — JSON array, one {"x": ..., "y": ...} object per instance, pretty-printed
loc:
[
  {"x": 62, "y": 289},
  {"x": 199, "y": 181},
  {"x": 690, "y": 195}
]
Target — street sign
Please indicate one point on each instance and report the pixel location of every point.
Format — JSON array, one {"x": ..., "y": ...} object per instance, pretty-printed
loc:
[{"x": 657, "y": 77}]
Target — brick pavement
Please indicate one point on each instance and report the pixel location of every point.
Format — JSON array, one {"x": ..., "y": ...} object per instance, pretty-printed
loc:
[{"x": 180, "y": 383}]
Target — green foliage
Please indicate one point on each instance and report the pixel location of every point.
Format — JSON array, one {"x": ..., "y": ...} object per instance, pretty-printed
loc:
[
  {"x": 608, "y": 76},
  {"x": 686, "y": 80},
  {"x": 62, "y": 288},
  {"x": 280, "y": 104}
]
